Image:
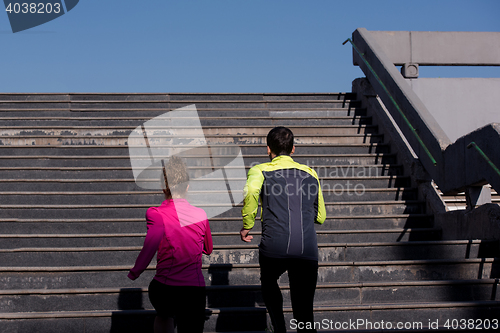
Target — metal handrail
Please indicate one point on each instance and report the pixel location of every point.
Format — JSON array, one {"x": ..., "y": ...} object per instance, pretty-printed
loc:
[
  {"x": 483, "y": 155},
  {"x": 393, "y": 101}
]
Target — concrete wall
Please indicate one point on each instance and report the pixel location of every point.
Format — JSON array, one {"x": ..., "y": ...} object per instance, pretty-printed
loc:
[
  {"x": 460, "y": 105},
  {"x": 480, "y": 223}
]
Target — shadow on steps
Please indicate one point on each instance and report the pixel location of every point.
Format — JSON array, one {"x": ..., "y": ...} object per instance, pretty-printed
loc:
[{"x": 229, "y": 308}]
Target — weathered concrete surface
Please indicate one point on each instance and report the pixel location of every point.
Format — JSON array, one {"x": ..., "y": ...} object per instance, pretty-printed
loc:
[
  {"x": 406, "y": 155},
  {"x": 465, "y": 167},
  {"x": 480, "y": 223},
  {"x": 459, "y": 105}
]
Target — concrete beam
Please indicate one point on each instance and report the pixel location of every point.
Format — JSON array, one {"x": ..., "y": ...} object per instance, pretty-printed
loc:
[{"x": 438, "y": 48}]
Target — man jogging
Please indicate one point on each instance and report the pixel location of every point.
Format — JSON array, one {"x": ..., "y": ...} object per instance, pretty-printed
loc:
[{"x": 292, "y": 202}]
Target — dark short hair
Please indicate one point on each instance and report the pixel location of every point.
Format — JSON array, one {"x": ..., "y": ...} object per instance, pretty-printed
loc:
[{"x": 280, "y": 141}]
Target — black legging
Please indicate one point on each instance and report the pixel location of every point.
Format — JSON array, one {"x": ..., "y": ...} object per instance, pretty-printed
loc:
[
  {"x": 185, "y": 304},
  {"x": 302, "y": 275}
]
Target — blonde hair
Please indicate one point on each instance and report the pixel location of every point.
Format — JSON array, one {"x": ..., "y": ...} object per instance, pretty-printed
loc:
[{"x": 175, "y": 177}]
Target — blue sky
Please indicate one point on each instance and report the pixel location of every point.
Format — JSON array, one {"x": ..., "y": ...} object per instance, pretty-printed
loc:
[{"x": 219, "y": 45}]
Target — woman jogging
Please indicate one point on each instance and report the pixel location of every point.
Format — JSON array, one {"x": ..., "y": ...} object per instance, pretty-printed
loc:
[{"x": 180, "y": 233}]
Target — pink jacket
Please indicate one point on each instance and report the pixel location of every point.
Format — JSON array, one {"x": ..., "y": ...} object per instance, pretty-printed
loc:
[{"x": 180, "y": 233}]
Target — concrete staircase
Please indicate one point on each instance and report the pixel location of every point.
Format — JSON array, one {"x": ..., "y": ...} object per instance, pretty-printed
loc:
[{"x": 72, "y": 218}]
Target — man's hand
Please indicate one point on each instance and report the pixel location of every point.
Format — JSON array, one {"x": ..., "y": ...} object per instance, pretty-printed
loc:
[{"x": 244, "y": 233}]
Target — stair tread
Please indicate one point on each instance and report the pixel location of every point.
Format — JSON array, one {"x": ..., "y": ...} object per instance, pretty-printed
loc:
[
  {"x": 236, "y": 233},
  {"x": 211, "y": 179},
  {"x": 166, "y": 109},
  {"x": 189, "y": 167},
  {"x": 75, "y": 206},
  {"x": 98, "y": 220},
  {"x": 188, "y": 126},
  {"x": 114, "y": 136},
  {"x": 201, "y": 118},
  {"x": 180, "y": 101},
  {"x": 94, "y": 146},
  {"x": 145, "y": 192},
  {"x": 384, "y": 306},
  {"x": 253, "y": 286},
  {"x": 127, "y": 157},
  {"x": 205, "y": 266},
  {"x": 216, "y": 247},
  {"x": 219, "y": 247}
]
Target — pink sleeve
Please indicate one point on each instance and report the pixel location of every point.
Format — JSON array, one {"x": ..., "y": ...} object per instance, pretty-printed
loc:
[
  {"x": 154, "y": 236},
  {"x": 208, "y": 245}
]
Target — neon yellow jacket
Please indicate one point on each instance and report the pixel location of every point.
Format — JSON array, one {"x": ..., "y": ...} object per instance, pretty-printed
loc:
[{"x": 291, "y": 200}]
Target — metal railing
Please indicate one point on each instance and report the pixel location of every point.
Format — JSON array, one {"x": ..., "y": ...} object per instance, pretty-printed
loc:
[{"x": 483, "y": 155}]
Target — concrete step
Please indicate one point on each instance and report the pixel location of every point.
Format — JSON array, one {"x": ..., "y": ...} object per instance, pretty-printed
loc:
[
  {"x": 333, "y": 237},
  {"x": 111, "y": 276},
  {"x": 246, "y": 149},
  {"x": 339, "y": 192},
  {"x": 336, "y": 185},
  {"x": 90, "y": 252},
  {"x": 377, "y": 221},
  {"x": 72, "y": 226},
  {"x": 98, "y": 159},
  {"x": 78, "y": 225},
  {"x": 265, "y": 119},
  {"x": 408, "y": 250},
  {"x": 362, "y": 208},
  {"x": 323, "y": 171},
  {"x": 187, "y": 131},
  {"x": 120, "y": 140},
  {"x": 222, "y": 150},
  {"x": 75, "y": 225},
  {"x": 171, "y": 96},
  {"x": 94, "y": 299},
  {"x": 148, "y": 97},
  {"x": 357, "y": 208},
  {"x": 24, "y": 117},
  {"x": 383, "y": 235},
  {"x": 415, "y": 316},
  {"x": 220, "y": 237},
  {"x": 82, "y": 105},
  {"x": 357, "y": 293}
]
